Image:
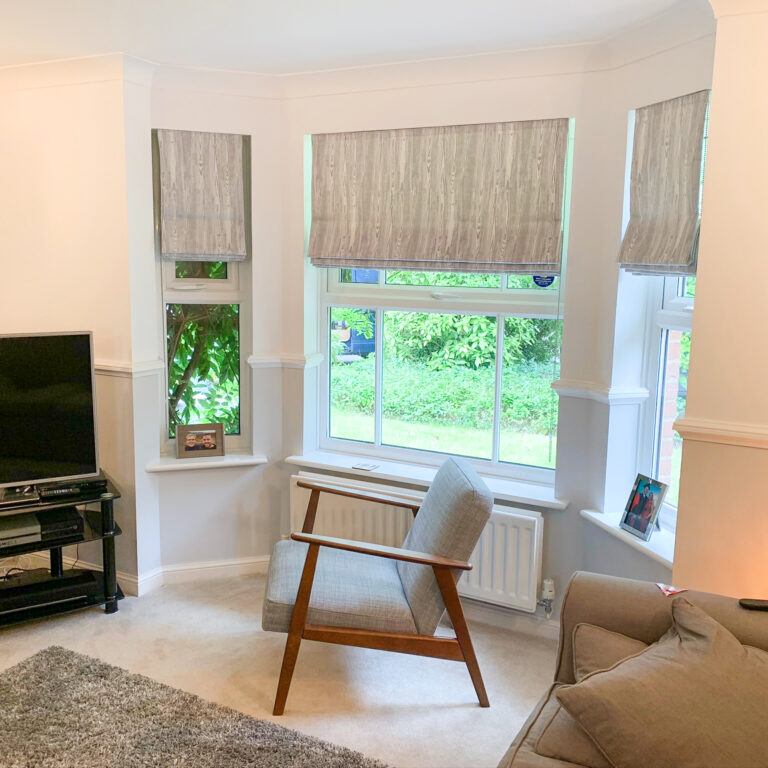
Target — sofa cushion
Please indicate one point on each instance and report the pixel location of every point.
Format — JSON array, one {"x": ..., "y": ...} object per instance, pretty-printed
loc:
[
  {"x": 595, "y": 648},
  {"x": 350, "y": 590},
  {"x": 695, "y": 699},
  {"x": 551, "y": 738}
]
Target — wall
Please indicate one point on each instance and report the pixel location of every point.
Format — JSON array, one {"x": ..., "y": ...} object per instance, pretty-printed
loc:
[
  {"x": 229, "y": 518},
  {"x": 602, "y": 398},
  {"x": 64, "y": 236},
  {"x": 80, "y": 163},
  {"x": 723, "y": 526}
]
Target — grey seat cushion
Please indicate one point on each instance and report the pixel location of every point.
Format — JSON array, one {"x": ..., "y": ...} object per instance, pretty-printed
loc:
[
  {"x": 349, "y": 590},
  {"x": 449, "y": 523}
]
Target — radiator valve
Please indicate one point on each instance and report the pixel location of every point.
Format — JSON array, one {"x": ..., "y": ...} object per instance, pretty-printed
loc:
[{"x": 547, "y": 596}]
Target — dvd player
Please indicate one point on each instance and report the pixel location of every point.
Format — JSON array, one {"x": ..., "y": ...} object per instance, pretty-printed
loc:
[
  {"x": 71, "y": 488},
  {"x": 19, "y": 529}
]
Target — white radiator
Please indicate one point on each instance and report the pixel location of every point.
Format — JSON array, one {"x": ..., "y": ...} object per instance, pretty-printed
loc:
[{"x": 506, "y": 562}]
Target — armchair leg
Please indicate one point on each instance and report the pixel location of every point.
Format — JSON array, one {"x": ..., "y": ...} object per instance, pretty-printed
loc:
[
  {"x": 453, "y": 605},
  {"x": 298, "y": 620}
]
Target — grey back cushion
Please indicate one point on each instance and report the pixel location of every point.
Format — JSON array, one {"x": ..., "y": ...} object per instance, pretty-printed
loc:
[{"x": 449, "y": 523}]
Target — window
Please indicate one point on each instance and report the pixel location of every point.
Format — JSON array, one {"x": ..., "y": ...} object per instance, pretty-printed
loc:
[
  {"x": 669, "y": 348},
  {"x": 205, "y": 310},
  {"x": 442, "y": 363}
]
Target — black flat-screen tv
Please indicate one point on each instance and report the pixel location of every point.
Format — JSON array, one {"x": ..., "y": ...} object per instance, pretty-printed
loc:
[{"x": 47, "y": 408}]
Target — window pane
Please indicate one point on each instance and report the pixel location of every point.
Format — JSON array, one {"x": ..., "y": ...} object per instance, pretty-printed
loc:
[
  {"x": 443, "y": 279},
  {"x": 528, "y": 402},
  {"x": 438, "y": 382},
  {"x": 528, "y": 282},
  {"x": 359, "y": 276},
  {"x": 202, "y": 270},
  {"x": 203, "y": 365},
  {"x": 353, "y": 373},
  {"x": 673, "y": 387},
  {"x": 689, "y": 287}
]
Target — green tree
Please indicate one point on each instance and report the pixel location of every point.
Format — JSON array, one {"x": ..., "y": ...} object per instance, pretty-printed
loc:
[{"x": 203, "y": 365}]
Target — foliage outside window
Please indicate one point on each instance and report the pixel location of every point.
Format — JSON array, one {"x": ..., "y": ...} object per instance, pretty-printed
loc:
[
  {"x": 437, "y": 383},
  {"x": 203, "y": 365}
]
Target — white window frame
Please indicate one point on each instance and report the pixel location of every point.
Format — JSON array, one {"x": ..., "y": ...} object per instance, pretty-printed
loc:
[
  {"x": 229, "y": 290},
  {"x": 667, "y": 311},
  {"x": 499, "y": 302}
]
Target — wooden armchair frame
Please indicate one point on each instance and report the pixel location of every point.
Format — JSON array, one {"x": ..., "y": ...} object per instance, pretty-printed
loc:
[{"x": 457, "y": 648}]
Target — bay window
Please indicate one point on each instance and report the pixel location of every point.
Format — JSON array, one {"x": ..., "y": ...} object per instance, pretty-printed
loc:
[{"x": 466, "y": 370}]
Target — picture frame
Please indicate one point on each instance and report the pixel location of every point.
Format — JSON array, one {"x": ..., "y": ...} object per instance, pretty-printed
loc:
[
  {"x": 199, "y": 441},
  {"x": 642, "y": 510}
]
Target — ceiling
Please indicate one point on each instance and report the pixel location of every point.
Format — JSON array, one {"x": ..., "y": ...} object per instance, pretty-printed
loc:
[{"x": 276, "y": 37}]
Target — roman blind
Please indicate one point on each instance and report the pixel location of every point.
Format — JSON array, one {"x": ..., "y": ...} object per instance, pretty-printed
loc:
[
  {"x": 662, "y": 236},
  {"x": 462, "y": 198},
  {"x": 202, "y": 196}
]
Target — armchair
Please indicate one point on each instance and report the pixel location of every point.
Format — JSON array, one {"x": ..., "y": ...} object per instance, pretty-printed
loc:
[{"x": 386, "y": 598}]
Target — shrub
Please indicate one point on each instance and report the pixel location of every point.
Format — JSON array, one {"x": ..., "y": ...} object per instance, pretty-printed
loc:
[{"x": 465, "y": 396}]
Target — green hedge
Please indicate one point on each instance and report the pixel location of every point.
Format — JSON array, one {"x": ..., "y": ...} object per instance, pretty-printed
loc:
[{"x": 463, "y": 396}]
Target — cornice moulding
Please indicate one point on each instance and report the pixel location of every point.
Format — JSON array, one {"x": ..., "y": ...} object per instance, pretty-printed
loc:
[{"x": 723, "y": 432}]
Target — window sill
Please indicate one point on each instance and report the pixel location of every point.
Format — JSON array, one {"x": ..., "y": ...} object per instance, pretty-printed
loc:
[
  {"x": 660, "y": 547},
  {"x": 172, "y": 464},
  {"x": 517, "y": 491}
]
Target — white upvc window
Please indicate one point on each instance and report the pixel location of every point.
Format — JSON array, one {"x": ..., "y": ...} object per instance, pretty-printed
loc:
[
  {"x": 206, "y": 320},
  {"x": 419, "y": 365},
  {"x": 667, "y": 358}
]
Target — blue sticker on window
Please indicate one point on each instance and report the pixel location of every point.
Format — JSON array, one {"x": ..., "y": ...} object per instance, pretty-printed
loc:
[{"x": 543, "y": 281}]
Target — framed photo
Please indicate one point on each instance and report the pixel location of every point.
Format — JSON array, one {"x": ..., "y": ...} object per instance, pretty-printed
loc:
[
  {"x": 196, "y": 441},
  {"x": 643, "y": 507}
]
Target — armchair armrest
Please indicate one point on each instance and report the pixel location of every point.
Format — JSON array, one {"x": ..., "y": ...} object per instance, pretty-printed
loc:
[
  {"x": 392, "y": 553},
  {"x": 380, "y": 498}
]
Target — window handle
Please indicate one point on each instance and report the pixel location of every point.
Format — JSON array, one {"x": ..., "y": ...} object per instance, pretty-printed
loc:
[
  {"x": 441, "y": 295},
  {"x": 195, "y": 287}
]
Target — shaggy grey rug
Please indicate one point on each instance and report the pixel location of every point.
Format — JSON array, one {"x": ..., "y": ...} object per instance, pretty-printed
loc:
[{"x": 59, "y": 708}]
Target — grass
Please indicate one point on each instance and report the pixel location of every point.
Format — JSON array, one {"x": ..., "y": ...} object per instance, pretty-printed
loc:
[{"x": 515, "y": 446}]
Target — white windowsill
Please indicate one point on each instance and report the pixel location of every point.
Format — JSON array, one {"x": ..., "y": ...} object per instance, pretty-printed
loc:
[
  {"x": 172, "y": 464},
  {"x": 660, "y": 547},
  {"x": 418, "y": 474}
]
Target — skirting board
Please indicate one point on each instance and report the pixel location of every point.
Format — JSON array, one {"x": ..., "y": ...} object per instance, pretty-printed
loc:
[{"x": 172, "y": 574}]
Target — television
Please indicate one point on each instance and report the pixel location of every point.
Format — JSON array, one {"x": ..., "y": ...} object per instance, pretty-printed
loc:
[{"x": 47, "y": 408}]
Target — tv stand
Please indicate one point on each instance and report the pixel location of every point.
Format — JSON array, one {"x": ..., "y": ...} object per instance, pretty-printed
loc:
[{"x": 41, "y": 592}]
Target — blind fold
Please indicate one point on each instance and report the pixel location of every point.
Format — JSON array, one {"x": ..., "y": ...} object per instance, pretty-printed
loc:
[
  {"x": 466, "y": 198},
  {"x": 662, "y": 236},
  {"x": 202, "y": 199}
]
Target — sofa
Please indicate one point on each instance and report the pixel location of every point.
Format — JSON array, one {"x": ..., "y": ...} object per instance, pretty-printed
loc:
[{"x": 641, "y": 613}]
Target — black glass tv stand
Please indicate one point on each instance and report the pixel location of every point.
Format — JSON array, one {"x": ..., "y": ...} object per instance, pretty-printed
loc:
[{"x": 34, "y": 594}]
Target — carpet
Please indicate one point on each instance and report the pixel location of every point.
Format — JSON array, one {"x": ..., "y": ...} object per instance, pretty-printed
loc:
[{"x": 60, "y": 708}]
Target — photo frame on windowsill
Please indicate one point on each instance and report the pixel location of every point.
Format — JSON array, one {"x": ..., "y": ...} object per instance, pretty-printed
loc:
[
  {"x": 199, "y": 441},
  {"x": 643, "y": 507}
]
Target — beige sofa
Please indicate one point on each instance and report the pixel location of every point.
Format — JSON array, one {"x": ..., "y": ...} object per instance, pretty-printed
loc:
[{"x": 637, "y": 609}]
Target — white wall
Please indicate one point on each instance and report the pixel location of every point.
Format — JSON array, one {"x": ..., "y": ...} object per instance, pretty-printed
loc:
[
  {"x": 599, "y": 93},
  {"x": 64, "y": 238},
  {"x": 722, "y": 543},
  {"x": 80, "y": 165}
]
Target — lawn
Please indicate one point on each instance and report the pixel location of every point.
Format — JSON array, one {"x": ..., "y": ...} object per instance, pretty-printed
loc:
[{"x": 515, "y": 446}]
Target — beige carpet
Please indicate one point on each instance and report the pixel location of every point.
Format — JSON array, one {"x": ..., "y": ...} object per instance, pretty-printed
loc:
[{"x": 406, "y": 711}]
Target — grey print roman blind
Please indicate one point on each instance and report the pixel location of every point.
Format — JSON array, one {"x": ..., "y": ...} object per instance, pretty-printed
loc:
[
  {"x": 462, "y": 198},
  {"x": 202, "y": 197},
  {"x": 662, "y": 236}
]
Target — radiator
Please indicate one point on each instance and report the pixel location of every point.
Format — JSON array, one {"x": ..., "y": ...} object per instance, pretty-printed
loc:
[{"x": 506, "y": 561}]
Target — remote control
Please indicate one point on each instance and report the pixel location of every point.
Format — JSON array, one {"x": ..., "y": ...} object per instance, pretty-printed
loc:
[{"x": 753, "y": 605}]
